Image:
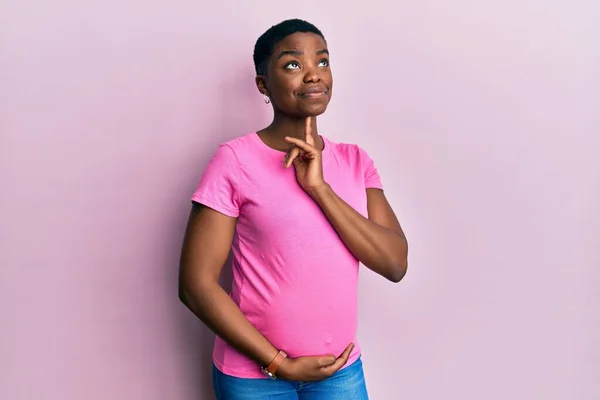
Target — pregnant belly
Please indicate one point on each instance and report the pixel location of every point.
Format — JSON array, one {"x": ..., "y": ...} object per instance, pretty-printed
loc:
[{"x": 315, "y": 322}]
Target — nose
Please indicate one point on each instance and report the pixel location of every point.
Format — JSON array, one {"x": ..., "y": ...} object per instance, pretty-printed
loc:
[{"x": 311, "y": 75}]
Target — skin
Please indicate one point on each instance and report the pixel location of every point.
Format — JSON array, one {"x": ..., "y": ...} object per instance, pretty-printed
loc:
[{"x": 299, "y": 84}]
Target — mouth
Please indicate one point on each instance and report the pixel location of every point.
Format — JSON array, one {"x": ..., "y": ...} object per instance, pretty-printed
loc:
[{"x": 314, "y": 93}]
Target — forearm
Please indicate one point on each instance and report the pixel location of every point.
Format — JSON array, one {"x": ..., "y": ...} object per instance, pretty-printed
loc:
[
  {"x": 380, "y": 249},
  {"x": 218, "y": 311}
]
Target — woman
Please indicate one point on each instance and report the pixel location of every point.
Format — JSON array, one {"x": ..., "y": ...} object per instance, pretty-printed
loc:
[{"x": 298, "y": 212}]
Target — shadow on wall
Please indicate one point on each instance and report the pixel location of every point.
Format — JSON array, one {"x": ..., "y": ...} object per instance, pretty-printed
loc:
[{"x": 241, "y": 111}]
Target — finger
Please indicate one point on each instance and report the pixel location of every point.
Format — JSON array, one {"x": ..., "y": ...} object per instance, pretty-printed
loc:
[
  {"x": 347, "y": 351},
  {"x": 308, "y": 130},
  {"x": 302, "y": 144},
  {"x": 291, "y": 156},
  {"x": 341, "y": 360},
  {"x": 326, "y": 361}
]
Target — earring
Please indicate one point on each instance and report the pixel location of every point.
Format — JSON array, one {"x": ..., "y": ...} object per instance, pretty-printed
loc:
[{"x": 267, "y": 99}]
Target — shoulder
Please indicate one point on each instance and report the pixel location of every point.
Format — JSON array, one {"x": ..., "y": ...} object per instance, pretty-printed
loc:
[
  {"x": 231, "y": 149},
  {"x": 241, "y": 143},
  {"x": 349, "y": 151}
]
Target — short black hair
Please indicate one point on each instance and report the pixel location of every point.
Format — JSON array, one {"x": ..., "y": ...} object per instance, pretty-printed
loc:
[{"x": 263, "y": 49}]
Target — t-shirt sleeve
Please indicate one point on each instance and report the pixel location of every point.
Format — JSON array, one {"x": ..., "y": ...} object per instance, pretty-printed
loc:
[
  {"x": 219, "y": 186},
  {"x": 372, "y": 179}
]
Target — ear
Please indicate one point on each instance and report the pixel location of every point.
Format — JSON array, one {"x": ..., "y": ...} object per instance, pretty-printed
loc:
[{"x": 261, "y": 84}]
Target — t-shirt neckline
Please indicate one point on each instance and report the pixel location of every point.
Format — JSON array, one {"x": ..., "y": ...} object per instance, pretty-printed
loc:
[{"x": 326, "y": 146}]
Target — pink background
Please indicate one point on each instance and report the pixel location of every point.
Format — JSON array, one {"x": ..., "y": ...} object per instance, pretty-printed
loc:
[{"x": 483, "y": 118}]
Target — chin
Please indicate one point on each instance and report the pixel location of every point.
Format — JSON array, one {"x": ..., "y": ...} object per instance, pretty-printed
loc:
[{"x": 313, "y": 110}]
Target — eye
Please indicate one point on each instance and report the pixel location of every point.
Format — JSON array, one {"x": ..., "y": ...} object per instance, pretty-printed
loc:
[
  {"x": 324, "y": 63},
  {"x": 292, "y": 65}
]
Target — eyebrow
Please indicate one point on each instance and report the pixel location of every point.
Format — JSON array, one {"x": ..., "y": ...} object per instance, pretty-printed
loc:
[{"x": 298, "y": 53}]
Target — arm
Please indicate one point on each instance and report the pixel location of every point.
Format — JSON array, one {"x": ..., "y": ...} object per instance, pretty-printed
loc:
[
  {"x": 378, "y": 242},
  {"x": 206, "y": 246}
]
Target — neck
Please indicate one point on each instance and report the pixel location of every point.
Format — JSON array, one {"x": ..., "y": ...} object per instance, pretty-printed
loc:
[{"x": 284, "y": 125}]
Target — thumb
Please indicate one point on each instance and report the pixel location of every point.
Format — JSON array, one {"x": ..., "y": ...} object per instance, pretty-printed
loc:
[{"x": 326, "y": 361}]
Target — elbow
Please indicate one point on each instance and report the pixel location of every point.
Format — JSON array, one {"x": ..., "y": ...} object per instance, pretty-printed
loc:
[
  {"x": 399, "y": 264},
  {"x": 182, "y": 293},
  {"x": 192, "y": 290},
  {"x": 185, "y": 291},
  {"x": 397, "y": 270}
]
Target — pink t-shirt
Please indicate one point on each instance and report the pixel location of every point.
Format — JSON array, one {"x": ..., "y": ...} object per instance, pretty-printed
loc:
[{"x": 293, "y": 277}]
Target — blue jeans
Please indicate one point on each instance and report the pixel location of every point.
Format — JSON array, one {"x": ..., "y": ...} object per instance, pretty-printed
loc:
[{"x": 346, "y": 384}]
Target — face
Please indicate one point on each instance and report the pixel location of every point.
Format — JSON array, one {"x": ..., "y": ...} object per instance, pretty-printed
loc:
[{"x": 298, "y": 79}]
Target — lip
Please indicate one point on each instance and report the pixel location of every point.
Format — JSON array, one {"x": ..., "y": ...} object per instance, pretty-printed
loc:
[{"x": 314, "y": 92}]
